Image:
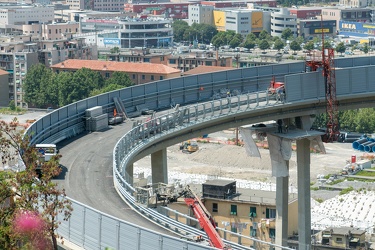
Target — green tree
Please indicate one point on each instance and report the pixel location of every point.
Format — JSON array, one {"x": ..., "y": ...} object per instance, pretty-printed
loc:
[
  {"x": 327, "y": 45},
  {"x": 300, "y": 40},
  {"x": 235, "y": 42},
  {"x": 348, "y": 120},
  {"x": 179, "y": 28},
  {"x": 64, "y": 80},
  {"x": 365, "y": 120},
  {"x": 278, "y": 45},
  {"x": 33, "y": 85},
  {"x": 251, "y": 37},
  {"x": 287, "y": 34},
  {"x": 263, "y": 45},
  {"x": 309, "y": 46},
  {"x": 249, "y": 44},
  {"x": 294, "y": 45},
  {"x": 114, "y": 50},
  {"x": 82, "y": 83},
  {"x": 365, "y": 48},
  {"x": 119, "y": 78},
  {"x": 340, "y": 48},
  {"x": 263, "y": 35},
  {"x": 28, "y": 192}
]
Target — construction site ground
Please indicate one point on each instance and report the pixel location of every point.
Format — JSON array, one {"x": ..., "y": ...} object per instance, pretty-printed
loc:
[{"x": 221, "y": 158}]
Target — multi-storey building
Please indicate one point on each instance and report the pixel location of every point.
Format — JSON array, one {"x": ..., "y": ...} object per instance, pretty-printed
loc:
[
  {"x": 242, "y": 21},
  {"x": 98, "y": 5},
  {"x": 347, "y": 14},
  {"x": 315, "y": 28},
  {"x": 51, "y": 31},
  {"x": 139, "y": 73},
  {"x": 282, "y": 20},
  {"x": 201, "y": 14},
  {"x": 128, "y": 32},
  {"x": 4, "y": 88},
  {"x": 13, "y": 15},
  {"x": 356, "y": 3},
  {"x": 172, "y": 10},
  {"x": 306, "y": 13},
  {"x": 138, "y": 55},
  {"x": 188, "y": 61},
  {"x": 38, "y": 45},
  {"x": 248, "y": 212}
]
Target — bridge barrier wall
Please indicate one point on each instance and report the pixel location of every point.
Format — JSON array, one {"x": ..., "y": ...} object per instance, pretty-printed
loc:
[{"x": 68, "y": 121}]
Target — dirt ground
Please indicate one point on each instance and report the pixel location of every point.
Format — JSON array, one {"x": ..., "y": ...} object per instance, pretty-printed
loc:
[{"x": 230, "y": 161}]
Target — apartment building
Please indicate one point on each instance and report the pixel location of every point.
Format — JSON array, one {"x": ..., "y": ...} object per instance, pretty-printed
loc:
[
  {"x": 139, "y": 73},
  {"x": 168, "y": 9},
  {"x": 137, "y": 54},
  {"x": 347, "y": 14},
  {"x": 51, "y": 31}
]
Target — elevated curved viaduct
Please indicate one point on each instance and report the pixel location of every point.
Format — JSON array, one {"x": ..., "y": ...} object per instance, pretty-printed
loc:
[{"x": 305, "y": 95}]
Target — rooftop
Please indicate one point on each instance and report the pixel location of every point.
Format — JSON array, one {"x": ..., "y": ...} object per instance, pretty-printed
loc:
[
  {"x": 206, "y": 69},
  {"x": 3, "y": 72},
  {"x": 116, "y": 66}
]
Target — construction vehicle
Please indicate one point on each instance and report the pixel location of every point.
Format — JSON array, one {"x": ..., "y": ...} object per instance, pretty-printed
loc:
[
  {"x": 275, "y": 87},
  {"x": 189, "y": 146},
  {"x": 204, "y": 217}
]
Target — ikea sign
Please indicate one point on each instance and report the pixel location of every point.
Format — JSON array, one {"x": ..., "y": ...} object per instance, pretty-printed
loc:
[{"x": 111, "y": 41}]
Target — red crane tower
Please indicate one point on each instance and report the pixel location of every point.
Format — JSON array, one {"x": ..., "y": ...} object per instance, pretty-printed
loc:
[{"x": 327, "y": 64}]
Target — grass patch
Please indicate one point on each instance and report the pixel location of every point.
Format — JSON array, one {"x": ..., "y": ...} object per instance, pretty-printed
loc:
[
  {"x": 320, "y": 200},
  {"x": 336, "y": 182},
  {"x": 359, "y": 179},
  {"x": 9, "y": 111},
  {"x": 346, "y": 190},
  {"x": 314, "y": 188},
  {"x": 366, "y": 173}
]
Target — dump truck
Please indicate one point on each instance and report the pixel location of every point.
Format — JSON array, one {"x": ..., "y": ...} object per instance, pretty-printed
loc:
[{"x": 189, "y": 146}]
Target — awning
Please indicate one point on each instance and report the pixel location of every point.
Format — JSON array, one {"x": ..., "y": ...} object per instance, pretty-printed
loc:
[
  {"x": 327, "y": 236},
  {"x": 354, "y": 240}
]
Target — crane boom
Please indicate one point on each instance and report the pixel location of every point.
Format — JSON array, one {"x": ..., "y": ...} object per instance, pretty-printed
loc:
[{"x": 205, "y": 219}]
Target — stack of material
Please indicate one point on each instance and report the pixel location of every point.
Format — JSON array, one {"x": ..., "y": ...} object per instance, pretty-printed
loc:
[{"x": 95, "y": 119}]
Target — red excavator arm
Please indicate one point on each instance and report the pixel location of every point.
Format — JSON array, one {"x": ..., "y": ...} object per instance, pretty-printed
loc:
[{"x": 205, "y": 219}]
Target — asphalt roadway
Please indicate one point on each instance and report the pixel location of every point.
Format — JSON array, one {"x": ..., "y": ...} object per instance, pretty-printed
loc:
[{"x": 87, "y": 174}]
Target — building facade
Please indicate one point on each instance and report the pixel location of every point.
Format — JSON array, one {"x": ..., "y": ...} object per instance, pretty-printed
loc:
[
  {"x": 314, "y": 28},
  {"x": 306, "y": 13},
  {"x": 168, "y": 9},
  {"x": 356, "y": 29},
  {"x": 4, "y": 88},
  {"x": 281, "y": 21},
  {"x": 14, "y": 15},
  {"x": 139, "y": 73},
  {"x": 51, "y": 31},
  {"x": 201, "y": 14},
  {"x": 128, "y": 32},
  {"x": 347, "y": 14},
  {"x": 97, "y": 5}
]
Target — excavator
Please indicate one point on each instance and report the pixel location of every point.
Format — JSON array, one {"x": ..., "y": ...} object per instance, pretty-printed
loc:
[
  {"x": 204, "y": 217},
  {"x": 189, "y": 146}
]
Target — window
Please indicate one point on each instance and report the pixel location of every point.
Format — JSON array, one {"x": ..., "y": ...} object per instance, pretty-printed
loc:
[
  {"x": 253, "y": 212},
  {"x": 215, "y": 207},
  {"x": 161, "y": 77},
  {"x": 133, "y": 76},
  {"x": 339, "y": 240},
  {"x": 152, "y": 77},
  {"x": 208, "y": 63},
  {"x": 233, "y": 209},
  {"x": 146, "y": 59},
  {"x": 107, "y": 75},
  {"x": 253, "y": 231},
  {"x": 172, "y": 61},
  {"x": 270, "y": 213},
  {"x": 143, "y": 77},
  {"x": 272, "y": 233}
]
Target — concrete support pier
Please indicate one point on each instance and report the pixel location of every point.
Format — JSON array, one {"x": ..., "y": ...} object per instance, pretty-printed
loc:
[
  {"x": 282, "y": 186},
  {"x": 159, "y": 166},
  {"x": 304, "y": 196}
]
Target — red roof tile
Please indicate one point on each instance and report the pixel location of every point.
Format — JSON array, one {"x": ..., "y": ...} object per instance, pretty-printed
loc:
[{"x": 116, "y": 66}]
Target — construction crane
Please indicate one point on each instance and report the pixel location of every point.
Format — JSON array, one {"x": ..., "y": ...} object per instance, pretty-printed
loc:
[
  {"x": 327, "y": 65},
  {"x": 204, "y": 217}
]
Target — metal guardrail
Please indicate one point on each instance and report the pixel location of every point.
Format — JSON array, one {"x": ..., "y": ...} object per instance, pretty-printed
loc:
[{"x": 145, "y": 134}]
